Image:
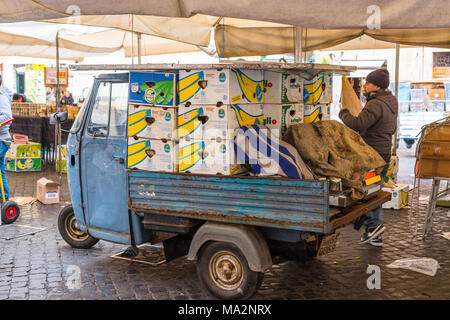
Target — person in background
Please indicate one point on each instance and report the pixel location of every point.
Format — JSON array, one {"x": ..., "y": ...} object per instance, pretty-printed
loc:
[
  {"x": 20, "y": 97},
  {"x": 67, "y": 98},
  {"x": 5, "y": 138},
  {"x": 50, "y": 95},
  {"x": 376, "y": 124}
]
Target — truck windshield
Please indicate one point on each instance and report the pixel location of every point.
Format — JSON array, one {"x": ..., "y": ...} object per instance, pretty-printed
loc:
[{"x": 79, "y": 118}]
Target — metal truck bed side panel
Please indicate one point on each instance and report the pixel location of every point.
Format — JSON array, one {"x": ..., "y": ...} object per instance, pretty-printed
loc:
[{"x": 269, "y": 202}]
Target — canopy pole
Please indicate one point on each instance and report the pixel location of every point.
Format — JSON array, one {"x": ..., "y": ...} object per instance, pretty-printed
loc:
[
  {"x": 58, "y": 124},
  {"x": 298, "y": 44},
  {"x": 57, "y": 72},
  {"x": 397, "y": 67},
  {"x": 139, "y": 38}
]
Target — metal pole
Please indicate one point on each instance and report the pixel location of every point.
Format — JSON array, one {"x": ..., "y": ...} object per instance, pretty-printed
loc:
[
  {"x": 139, "y": 37},
  {"x": 397, "y": 66},
  {"x": 58, "y": 125},
  {"x": 298, "y": 44},
  {"x": 57, "y": 72}
]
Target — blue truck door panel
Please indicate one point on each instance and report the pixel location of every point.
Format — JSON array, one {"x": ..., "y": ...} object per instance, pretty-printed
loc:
[
  {"x": 73, "y": 178},
  {"x": 104, "y": 176}
]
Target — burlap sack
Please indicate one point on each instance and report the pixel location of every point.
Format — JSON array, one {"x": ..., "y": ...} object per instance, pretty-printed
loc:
[{"x": 331, "y": 149}]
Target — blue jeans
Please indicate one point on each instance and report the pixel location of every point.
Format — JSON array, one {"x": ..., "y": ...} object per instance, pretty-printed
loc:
[
  {"x": 3, "y": 149},
  {"x": 375, "y": 217}
]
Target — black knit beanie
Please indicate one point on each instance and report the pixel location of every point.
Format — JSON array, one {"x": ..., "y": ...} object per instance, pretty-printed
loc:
[{"x": 379, "y": 77}]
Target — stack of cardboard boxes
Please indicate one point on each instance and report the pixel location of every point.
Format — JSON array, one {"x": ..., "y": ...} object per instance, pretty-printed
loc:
[
  {"x": 24, "y": 157},
  {"x": 192, "y": 131},
  {"x": 434, "y": 154},
  {"x": 152, "y": 121},
  {"x": 317, "y": 97}
]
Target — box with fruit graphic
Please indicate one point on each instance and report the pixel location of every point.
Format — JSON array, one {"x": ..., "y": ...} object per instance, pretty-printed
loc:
[
  {"x": 151, "y": 88},
  {"x": 28, "y": 150},
  {"x": 23, "y": 164}
]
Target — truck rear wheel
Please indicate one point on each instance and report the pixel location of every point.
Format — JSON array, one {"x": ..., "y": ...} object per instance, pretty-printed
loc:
[
  {"x": 71, "y": 233},
  {"x": 223, "y": 270}
]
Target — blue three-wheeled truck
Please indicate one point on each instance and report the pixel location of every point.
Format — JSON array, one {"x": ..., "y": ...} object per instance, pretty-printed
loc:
[{"x": 234, "y": 226}]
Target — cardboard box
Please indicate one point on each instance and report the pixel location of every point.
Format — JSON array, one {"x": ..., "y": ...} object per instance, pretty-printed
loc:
[
  {"x": 399, "y": 197},
  {"x": 438, "y": 106},
  {"x": 29, "y": 150},
  {"x": 282, "y": 88},
  {"x": 23, "y": 164},
  {"x": 417, "y": 95},
  {"x": 63, "y": 166},
  {"x": 63, "y": 160},
  {"x": 153, "y": 88},
  {"x": 435, "y": 150},
  {"x": 47, "y": 191},
  {"x": 205, "y": 156},
  {"x": 227, "y": 86},
  {"x": 311, "y": 113},
  {"x": 202, "y": 121},
  {"x": 434, "y": 168},
  {"x": 211, "y": 122},
  {"x": 282, "y": 116},
  {"x": 437, "y": 133},
  {"x": 319, "y": 90},
  {"x": 416, "y": 107},
  {"x": 151, "y": 154},
  {"x": 152, "y": 122}
]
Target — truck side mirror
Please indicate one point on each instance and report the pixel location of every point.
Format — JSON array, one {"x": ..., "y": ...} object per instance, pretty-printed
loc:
[{"x": 58, "y": 117}]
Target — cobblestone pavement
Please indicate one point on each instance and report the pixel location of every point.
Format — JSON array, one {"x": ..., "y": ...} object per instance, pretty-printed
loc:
[{"x": 41, "y": 266}]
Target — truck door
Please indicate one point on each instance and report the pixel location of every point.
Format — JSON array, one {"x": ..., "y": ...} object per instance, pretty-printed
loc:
[{"x": 103, "y": 154}]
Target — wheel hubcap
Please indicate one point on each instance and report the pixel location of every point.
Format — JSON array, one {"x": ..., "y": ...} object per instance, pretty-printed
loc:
[
  {"x": 226, "y": 270},
  {"x": 73, "y": 230},
  {"x": 11, "y": 213}
]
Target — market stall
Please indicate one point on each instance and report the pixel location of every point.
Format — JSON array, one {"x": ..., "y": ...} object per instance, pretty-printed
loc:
[{"x": 32, "y": 120}]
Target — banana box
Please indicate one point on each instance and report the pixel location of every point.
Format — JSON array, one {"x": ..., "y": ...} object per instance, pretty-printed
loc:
[
  {"x": 319, "y": 90},
  {"x": 240, "y": 115},
  {"x": 151, "y": 154},
  {"x": 28, "y": 150},
  {"x": 153, "y": 88},
  {"x": 152, "y": 122},
  {"x": 212, "y": 122},
  {"x": 282, "y": 88},
  {"x": 312, "y": 112},
  {"x": 205, "y": 156},
  {"x": 279, "y": 117},
  {"x": 226, "y": 86},
  {"x": 202, "y": 121},
  {"x": 63, "y": 160},
  {"x": 399, "y": 197},
  {"x": 23, "y": 164}
]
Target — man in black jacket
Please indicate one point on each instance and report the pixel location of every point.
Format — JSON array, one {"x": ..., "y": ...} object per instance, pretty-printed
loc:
[{"x": 376, "y": 124}]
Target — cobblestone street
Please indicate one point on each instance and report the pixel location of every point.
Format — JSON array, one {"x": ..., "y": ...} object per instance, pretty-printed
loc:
[{"x": 43, "y": 266}]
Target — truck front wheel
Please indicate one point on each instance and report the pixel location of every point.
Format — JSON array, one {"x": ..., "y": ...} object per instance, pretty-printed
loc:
[
  {"x": 223, "y": 270},
  {"x": 71, "y": 233}
]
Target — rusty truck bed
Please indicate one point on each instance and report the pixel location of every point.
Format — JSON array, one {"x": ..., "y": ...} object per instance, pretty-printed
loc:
[{"x": 266, "y": 202}]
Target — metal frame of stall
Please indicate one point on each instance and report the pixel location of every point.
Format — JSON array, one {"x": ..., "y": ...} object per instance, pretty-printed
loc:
[{"x": 434, "y": 196}]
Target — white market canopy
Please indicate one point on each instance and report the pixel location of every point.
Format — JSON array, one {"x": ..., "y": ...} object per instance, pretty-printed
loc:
[
  {"x": 325, "y": 14},
  {"x": 327, "y": 24},
  {"x": 79, "y": 41}
]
